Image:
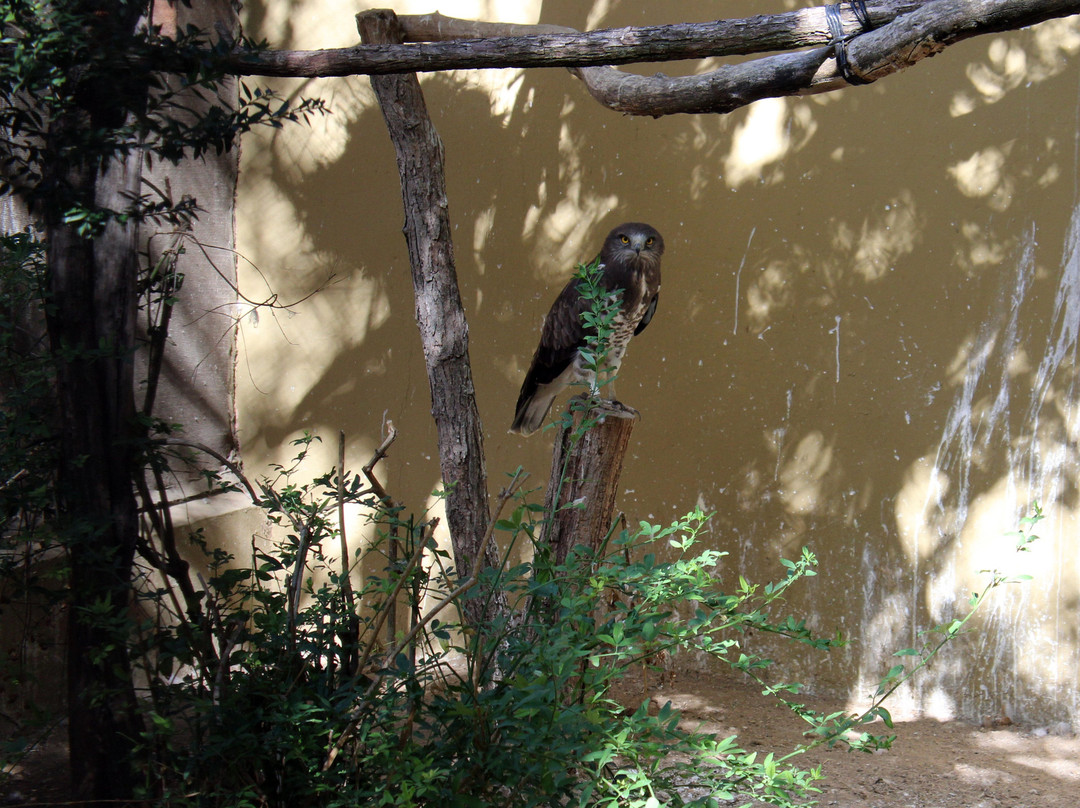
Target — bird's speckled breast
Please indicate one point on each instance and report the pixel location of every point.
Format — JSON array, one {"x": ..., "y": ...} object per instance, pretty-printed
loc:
[{"x": 624, "y": 324}]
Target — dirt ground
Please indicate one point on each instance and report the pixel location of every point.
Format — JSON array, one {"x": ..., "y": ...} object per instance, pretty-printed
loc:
[{"x": 933, "y": 764}]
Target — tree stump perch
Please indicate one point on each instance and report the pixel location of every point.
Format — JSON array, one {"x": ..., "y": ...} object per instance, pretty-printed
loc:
[{"x": 585, "y": 471}]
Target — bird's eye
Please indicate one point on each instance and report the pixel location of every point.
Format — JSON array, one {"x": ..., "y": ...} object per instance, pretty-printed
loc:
[
  {"x": 624, "y": 239},
  {"x": 649, "y": 241}
]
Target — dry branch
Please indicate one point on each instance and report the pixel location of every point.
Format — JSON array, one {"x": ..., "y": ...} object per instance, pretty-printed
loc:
[
  {"x": 905, "y": 32},
  {"x": 935, "y": 26},
  {"x": 451, "y": 599},
  {"x": 440, "y": 314},
  {"x": 346, "y": 580},
  {"x": 434, "y": 42}
]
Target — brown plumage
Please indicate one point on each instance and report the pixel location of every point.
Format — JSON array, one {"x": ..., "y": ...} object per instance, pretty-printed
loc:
[{"x": 630, "y": 263}]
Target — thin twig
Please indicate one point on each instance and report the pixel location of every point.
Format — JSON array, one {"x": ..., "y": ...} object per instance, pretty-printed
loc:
[
  {"x": 389, "y": 504},
  {"x": 172, "y": 566},
  {"x": 158, "y": 332},
  {"x": 504, "y": 496},
  {"x": 297, "y": 581},
  {"x": 303, "y": 536},
  {"x": 14, "y": 478},
  {"x": 391, "y": 600},
  {"x": 230, "y": 465},
  {"x": 346, "y": 583},
  {"x": 350, "y": 634},
  {"x": 222, "y": 674},
  {"x": 380, "y": 453}
]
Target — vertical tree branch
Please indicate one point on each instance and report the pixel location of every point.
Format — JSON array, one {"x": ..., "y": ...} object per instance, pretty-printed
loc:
[{"x": 440, "y": 315}]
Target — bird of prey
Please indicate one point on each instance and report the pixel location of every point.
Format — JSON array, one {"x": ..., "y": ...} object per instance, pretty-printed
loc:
[{"x": 629, "y": 264}]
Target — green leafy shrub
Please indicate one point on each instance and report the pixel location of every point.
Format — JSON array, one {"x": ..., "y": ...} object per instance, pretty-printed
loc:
[
  {"x": 273, "y": 699},
  {"x": 289, "y": 694},
  {"x": 307, "y": 705}
]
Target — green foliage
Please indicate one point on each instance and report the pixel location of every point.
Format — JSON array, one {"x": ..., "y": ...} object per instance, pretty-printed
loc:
[
  {"x": 599, "y": 322},
  {"x": 26, "y": 449},
  {"x": 848, "y": 728},
  {"x": 278, "y": 685},
  {"x": 83, "y": 82},
  {"x": 270, "y": 681},
  {"x": 303, "y": 701}
]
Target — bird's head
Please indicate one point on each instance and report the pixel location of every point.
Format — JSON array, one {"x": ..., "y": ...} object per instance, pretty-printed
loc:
[{"x": 635, "y": 241}]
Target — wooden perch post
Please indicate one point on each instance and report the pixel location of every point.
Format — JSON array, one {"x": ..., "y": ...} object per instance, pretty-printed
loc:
[{"x": 585, "y": 472}]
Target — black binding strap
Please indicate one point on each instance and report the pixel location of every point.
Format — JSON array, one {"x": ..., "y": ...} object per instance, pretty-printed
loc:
[
  {"x": 858, "y": 7},
  {"x": 836, "y": 31}
]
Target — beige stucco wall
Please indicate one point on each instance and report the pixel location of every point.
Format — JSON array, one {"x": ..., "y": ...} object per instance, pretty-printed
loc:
[{"x": 866, "y": 341}]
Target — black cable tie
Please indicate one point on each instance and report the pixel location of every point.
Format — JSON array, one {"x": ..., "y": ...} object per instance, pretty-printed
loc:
[
  {"x": 836, "y": 31},
  {"x": 858, "y": 7}
]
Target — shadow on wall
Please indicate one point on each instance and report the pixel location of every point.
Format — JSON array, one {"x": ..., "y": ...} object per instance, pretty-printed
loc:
[{"x": 865, "y": 342}]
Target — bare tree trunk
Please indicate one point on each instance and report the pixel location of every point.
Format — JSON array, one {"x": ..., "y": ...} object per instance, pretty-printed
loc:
[
  {"x": 580, "y": 503},
  {"x": 91, "y": 318},
  {"x": 440, "y": 315}
]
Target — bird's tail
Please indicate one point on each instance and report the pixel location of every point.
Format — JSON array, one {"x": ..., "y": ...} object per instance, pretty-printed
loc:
[{"x": 531, "y": 413}]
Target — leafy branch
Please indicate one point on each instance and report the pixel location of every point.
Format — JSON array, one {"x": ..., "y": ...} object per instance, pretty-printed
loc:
[{"x": 602, "y": 306}]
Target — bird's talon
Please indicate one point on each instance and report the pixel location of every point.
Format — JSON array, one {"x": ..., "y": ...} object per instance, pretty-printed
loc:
[{"x": 616, "y": 409}]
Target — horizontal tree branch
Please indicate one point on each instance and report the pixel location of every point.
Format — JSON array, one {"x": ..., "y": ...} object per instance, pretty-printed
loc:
[
  {"x": 719, "y": 91},
  {"x": 914, "y": 33},
  {"x": 904, "y": 32},
  {"x": 935, "y": 26},
  {"x": 435, "y": 42}
]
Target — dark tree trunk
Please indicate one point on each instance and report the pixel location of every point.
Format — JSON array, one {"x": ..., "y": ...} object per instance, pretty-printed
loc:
[
  {"x": 440, "y": 315},
  {"x": 91, "y": 287},
  {"x": 91, "y": 313}
]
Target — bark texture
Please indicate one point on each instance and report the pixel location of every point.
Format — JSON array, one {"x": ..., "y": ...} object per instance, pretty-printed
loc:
[
  {"x": 432, "y": 42},
  {"x": 904, "y": 32},
  {"x": 913, "y": 35},
  {"x": 91, "y": 329},
  {"x": 91, "y": 283},
  {"x": 580, "y": 501},
  {"x": 440, "y": 315}
]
